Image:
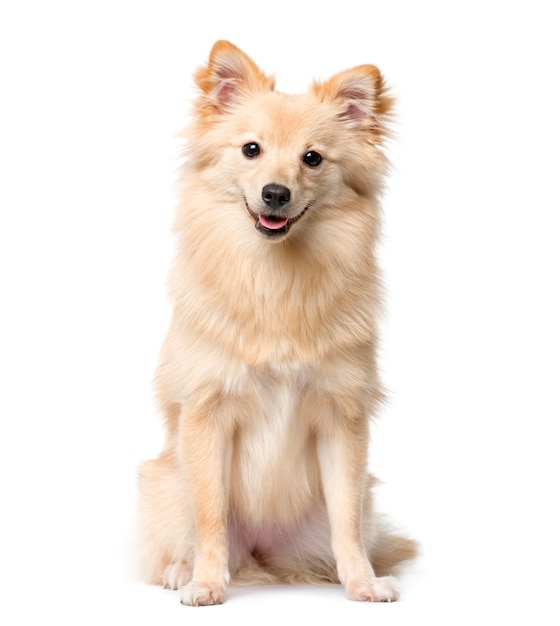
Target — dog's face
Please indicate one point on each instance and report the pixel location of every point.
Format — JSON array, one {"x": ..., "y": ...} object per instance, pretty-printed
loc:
[{"x": 283, "y": 160}]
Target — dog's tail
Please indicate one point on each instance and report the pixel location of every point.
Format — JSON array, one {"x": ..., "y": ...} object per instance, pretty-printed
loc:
[
  {"x": 390, "y": 551},
  {"x": 388, "y": 547}
]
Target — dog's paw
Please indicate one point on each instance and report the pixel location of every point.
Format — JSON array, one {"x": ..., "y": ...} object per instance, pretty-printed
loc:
[
  {"x": 176, "y": 575},
  {"x": 373, "y": 590},
  {"x": 203, "y": 594}
]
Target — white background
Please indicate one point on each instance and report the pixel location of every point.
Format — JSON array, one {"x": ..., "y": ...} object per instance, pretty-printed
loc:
[{"x": 92, "y": 96}]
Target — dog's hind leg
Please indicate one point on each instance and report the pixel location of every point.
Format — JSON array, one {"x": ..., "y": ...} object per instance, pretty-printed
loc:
[
  {"x": 164, "y": 541},
  {"x": 177, "y": 574}
]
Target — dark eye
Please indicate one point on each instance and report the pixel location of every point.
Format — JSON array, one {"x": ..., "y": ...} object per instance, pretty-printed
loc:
[
  {"x": 312, "y": 158},
  {"x": 251, "y": 150}
]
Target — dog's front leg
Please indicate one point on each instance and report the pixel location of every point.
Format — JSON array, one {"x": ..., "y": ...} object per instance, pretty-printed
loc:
[
  {"x": 342, "y": 450},
  {"x": 205, "y": 436}
]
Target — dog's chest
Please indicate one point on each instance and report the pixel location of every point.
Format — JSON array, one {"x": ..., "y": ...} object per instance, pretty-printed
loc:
[{"x": 274, "y": 466}]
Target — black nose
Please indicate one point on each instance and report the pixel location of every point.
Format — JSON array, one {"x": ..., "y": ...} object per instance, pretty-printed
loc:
[{"x": 275, "y": 196}]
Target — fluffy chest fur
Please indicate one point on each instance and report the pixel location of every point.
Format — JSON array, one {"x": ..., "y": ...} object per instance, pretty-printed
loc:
[
  {"x": 272, "y": 304},
  {"x": 274, "y": 471}
]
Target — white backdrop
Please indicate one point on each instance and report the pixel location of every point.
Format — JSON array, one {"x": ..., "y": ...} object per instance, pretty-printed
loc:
[{"x": 92, "y": 96}]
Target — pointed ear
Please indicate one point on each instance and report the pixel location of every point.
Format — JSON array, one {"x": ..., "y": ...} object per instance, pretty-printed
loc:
[
  {"x": 229, "y": 75},
  {"x": 360, "y": 96}
]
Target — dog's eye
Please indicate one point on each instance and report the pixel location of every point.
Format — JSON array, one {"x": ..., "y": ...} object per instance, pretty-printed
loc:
[
  {"x": 312, "y": 158},
  {"x": 251, "y": 150}
]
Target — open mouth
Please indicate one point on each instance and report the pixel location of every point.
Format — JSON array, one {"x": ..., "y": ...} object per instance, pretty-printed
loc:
[{"x": 273, "y": 226}]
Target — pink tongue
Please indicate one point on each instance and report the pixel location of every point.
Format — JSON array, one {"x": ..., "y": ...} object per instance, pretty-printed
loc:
[{"x": 272, "y": 223}]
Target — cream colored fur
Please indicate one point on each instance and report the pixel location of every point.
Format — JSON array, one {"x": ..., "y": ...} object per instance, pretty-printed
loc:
[{"x": 267, "y": 377}]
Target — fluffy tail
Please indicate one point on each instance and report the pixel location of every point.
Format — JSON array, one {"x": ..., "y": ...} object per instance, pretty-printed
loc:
[{"x": 391, "y": 551}]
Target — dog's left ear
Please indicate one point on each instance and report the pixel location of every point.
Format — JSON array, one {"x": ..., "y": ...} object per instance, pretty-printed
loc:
[
  {"x": 229, "y": 76},
  {"x": 361, "y": 97}
]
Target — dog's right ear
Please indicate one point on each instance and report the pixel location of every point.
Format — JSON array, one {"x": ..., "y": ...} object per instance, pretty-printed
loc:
[{"x": 229, "y": 76}]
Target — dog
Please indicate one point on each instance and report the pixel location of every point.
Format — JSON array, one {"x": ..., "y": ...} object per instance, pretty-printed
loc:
[{"x": 267, "y": 378}]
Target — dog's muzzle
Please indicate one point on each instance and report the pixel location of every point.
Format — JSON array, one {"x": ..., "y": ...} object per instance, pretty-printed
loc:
[{"x": 273, "y": 222}]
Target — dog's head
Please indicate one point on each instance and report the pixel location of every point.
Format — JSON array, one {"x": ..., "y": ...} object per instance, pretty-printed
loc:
[{"x": 278, "y": 158}]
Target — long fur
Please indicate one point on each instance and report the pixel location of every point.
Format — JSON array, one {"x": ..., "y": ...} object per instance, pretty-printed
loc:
[{"x": 267, "y": 377}]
